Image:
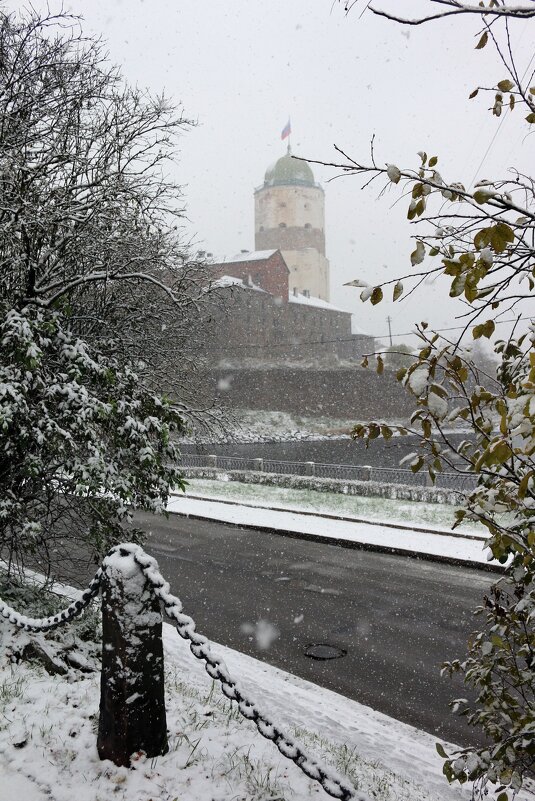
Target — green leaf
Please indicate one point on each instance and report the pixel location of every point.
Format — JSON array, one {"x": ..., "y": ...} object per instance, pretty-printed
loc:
[
  {"x": 376, "y": 296},
  {"x": 440, "y": 750},
  {"x": 417, "y": 464},
  {"x": 398, "y": 290},
  {"x": 386, "y": 432},
  {"x": 484, "y": 330},
  {"x": 523, "y": 486},
  {"x": 393, "y": 173},
  {"x": 483, "y": 41},
  {"x": 531, "y": 117},
  {"x": 500, "y": 235},
  {"x": 457, "y": 286},
  {"x": 483, "y": 195},
  {"x": 433, "y": 161},
  {"x": 420, "y": 207},
  {"x": 473, "y": 94},
  {"x": 500, "y": 452},
  {"x": 482, "y": 238},
  {"x": 505, "y": 86}
]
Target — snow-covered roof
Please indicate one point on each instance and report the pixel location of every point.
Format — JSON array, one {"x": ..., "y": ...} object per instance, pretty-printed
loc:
[
  {"x": 231, "y": 280},
  {"x": 253, "y": 255},
  {"x": 317, "y": 302}
]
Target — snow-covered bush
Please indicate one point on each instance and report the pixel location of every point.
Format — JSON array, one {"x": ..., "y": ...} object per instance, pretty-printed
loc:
[
  {"x": 82, "y": 444},
  {"x": 101, "y": 302}
]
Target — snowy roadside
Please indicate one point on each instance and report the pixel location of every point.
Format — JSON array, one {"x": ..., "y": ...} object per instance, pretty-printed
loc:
[
  {"x": 434, "y": 545},
  {"x": 48, "y": 739},
  {"x": 385, "y": 510}
]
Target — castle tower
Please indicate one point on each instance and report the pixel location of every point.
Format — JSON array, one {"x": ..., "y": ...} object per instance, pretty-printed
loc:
[{"x": 290, "y": 216}]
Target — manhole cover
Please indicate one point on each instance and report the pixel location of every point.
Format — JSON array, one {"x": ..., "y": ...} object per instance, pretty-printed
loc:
[{"x": 323, "y": 650}]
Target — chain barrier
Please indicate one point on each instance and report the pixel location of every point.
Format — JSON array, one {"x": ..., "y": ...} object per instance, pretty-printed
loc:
[
  {"x": 333, "y": 784},
  {"x": 65, "y": 616}
]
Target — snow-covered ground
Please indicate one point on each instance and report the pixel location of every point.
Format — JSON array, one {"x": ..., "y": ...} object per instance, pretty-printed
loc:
[
  {"x": 415, "y": 513},
  {"x": 263, "y": 425},
  {"x": 48, "y": 736},
  {"x": 467, "y": 549},
  {"x": 48, "y": 723}
]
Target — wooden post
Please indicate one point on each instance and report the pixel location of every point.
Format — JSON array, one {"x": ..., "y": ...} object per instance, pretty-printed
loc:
[{"x": 132, "y": 702}]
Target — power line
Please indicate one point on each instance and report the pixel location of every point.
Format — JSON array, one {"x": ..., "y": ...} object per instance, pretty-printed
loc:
[
  {"x": 307, "y": 343},
  {"x": 507, "y": 110}
]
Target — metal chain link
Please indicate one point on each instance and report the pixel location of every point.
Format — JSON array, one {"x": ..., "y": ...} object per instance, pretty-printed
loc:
[
  {"x": 333, "y": 784},
  {"x": 52, "y": 622}
]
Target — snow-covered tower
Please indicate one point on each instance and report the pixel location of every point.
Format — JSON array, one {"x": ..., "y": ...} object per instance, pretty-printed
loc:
[{"x": 290, "y": 216}]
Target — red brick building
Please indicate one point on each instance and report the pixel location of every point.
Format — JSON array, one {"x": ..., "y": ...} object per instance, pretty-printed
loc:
[
  {"x": 261, "y": 322},
  {"x": 263, "y": 268}
]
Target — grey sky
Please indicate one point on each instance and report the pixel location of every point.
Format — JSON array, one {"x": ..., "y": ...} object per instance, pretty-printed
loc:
[{"x": 241, "y": 68}]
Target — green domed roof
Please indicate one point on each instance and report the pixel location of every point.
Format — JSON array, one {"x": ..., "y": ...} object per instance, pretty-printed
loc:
[{"x": 288, "y": 170}]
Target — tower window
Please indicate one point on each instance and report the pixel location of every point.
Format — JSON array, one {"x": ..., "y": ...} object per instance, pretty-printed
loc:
[
  {"x": 282, "y": 225},
  {"x": 307, "y": 225}
]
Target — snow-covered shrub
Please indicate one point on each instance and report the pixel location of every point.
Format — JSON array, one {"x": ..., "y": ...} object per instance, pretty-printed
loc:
[{"x": 82, "y": 444}]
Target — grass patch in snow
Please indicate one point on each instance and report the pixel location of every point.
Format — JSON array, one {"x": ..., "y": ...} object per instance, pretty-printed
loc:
[{"x": 380, "y": 509}]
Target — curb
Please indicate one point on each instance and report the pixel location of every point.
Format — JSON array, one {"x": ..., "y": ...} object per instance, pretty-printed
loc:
[
  {"x": 328, "y": 516},
  {"x": 341, "y": 543}
]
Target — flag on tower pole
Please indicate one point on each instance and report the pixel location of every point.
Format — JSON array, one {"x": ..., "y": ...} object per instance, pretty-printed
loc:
[{"x": 286, "y": 131}]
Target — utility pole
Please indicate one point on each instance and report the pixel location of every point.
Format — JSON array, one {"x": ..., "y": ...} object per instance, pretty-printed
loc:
[{"x": 389, "y": 320}]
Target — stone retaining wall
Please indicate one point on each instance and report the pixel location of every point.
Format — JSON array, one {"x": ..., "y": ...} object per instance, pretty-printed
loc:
[{"x": 364, "y": 488}]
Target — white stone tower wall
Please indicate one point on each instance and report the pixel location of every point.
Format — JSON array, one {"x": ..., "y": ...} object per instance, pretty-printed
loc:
[
  {"x": 292, "y": 205},
  {"x": 309, "y": 271}
]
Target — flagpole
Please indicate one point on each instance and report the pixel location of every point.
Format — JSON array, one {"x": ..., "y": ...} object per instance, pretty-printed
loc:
[{"x": 290, "y": 136}]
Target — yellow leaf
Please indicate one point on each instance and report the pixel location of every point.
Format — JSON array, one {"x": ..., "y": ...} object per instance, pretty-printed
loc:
[
  {"x": 418, "y": 255},
  {"x": 505, "y": 86}
]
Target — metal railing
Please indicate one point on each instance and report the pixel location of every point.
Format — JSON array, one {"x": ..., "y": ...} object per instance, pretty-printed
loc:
[
  {"x": 457, "y": 482},
  {"x": 235, "y": 463},
  {"x": 288, "y": 468}
]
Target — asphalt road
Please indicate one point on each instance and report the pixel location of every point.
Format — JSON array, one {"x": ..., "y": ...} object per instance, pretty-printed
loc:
[{"x": 398, "y": 618}]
